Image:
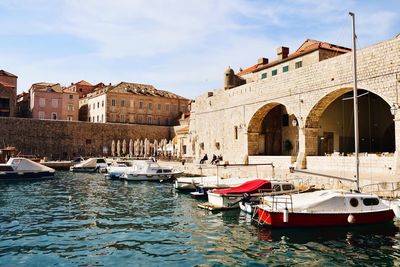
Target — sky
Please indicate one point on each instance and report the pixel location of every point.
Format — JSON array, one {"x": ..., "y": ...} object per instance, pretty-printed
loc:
[{"x": 182, "y": 46}]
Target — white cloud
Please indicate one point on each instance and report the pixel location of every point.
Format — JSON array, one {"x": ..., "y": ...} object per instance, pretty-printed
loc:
[{"x": 182, "y": 46}]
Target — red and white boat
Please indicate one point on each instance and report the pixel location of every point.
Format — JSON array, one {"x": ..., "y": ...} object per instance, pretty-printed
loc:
[
  {"x": 323, "y": 208},
  {"x": 229, "y": 198}
]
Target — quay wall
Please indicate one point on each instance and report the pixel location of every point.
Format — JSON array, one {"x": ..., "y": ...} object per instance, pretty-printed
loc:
[{"x": 67, "y": 139}]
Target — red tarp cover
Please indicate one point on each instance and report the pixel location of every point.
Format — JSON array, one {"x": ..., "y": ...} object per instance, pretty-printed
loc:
[{"x": 249, "y": 187}]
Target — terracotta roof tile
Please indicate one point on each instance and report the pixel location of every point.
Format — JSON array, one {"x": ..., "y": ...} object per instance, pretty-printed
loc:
[
  {"x": 5, "y": 73},
  {"x": 85, "y": 83},
  {"x": 308, "y": 46}
]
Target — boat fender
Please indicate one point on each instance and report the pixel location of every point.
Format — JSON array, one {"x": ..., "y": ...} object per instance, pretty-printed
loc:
[
  {"x": 351, "y": 219},
  {"x": 286, "y": 215}
]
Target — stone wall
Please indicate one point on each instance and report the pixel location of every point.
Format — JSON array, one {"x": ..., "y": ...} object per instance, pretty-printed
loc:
[
  {"x": 305, "y": 92},
  {"x": 65, "y": 139}
]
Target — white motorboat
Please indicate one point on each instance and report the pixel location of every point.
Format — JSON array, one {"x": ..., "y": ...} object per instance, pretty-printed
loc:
[
  {"x": 246, "y": 192},
  {"x": 23, "y": 168},
  {"x": 147, "y": 170},
  {"x": 323, "y": 208},
  {"x": 119, "y": 167},
  {"x": 89, "y": 165}
]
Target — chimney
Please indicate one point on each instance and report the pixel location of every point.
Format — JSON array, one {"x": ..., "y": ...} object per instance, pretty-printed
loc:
[
  {"x": 282, "y": 52},
  {"x": 262, "y": 60}
]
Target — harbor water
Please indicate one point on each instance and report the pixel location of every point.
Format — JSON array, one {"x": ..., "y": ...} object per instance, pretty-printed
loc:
[{"x": 85, "y": 220}]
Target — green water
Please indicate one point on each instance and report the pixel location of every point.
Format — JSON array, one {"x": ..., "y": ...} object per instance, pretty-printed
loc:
[{"x": 86, "y": 220}]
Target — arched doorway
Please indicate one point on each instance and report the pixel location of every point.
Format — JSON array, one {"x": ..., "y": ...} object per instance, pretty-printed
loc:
[
  {"x": 272, "y": 131},
  {"x": 333, "y": 117}
]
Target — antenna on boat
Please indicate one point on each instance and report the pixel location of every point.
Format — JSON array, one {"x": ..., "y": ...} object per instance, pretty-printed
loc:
[{"x": 355, "y": 101}]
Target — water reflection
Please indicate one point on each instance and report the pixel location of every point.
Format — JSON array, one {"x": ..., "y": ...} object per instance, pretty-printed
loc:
[{"x": 84, "y": 219}]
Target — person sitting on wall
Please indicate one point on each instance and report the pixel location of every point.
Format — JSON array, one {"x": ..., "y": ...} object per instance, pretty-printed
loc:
[
  {"x": 214, "y": 159},
  {"x": 204, "y": 159}
]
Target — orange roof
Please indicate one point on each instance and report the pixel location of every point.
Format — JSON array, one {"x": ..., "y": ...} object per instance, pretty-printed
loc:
[
  {"x": 308, "y": 46},
  {"x": 85, "y": 83},
  {"x": 5, "y": 73}
]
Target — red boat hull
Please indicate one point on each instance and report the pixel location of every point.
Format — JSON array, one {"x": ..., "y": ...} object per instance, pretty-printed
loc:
[{"x": 275, "y": 219}]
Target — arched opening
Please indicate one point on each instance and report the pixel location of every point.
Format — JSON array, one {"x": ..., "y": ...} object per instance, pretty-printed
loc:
[
  {"x": 334, "y": 119},
  {"x": 272, "y": 131}
]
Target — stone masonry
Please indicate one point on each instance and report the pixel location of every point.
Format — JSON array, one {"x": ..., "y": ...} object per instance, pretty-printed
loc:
[
  {"x": 305, "y": 93},
  {"x": 67, "y": 139}
]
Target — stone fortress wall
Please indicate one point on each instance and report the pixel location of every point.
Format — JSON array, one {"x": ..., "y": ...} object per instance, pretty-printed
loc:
[
  {"x": 305, "y": 93},
  {"x": 67, "y": 139}
]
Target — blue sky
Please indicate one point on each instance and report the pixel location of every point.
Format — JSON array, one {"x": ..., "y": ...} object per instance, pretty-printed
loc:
[{"x": 182, "y": 46}]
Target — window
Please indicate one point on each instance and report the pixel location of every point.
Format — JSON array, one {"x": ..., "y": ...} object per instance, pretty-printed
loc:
[
  {"x": 285, "y": 69},
  {"x": 122, "y": 103},
  {"x": 274, "y": 72},
  {"x": 94, "y": 105},
  {"x": 41, "y": 115},
  {"x": 70, "y": 107},
  {"x": 69, "y": 118},
  {"x": 149, "y": 120},
  {"x": 184, "y": 149},
  {"x": 113, "y": 119},
  {"x": 53, "y": 115},
  {"x": 122, "y": 117},
  {"x": 151, "y": 106},
  {"x": 5, "y": 103},
  {"x": 113, "y": 102},
  {"x": 263, "y": 75},
  {"x": 132, "y": 104},
  {"x": 97, "y": 118},
  {"x": 71, "y": 97},
  {"x": 98, "y": 104},
  {"x": 371, "y": 201},
  {"x": 102, "y": 103},
  {"x": 175, "y": 108},
  {"x": 236, "y": 133},
  {"x": 159, "y": 107},
  {"x": 42, "y": 102},
  {"x": 54, "y": 103},
  {"x": 298, "y": 64},
  {"x": 167, "y": 107},
  {"x": 102, "y": 117}
]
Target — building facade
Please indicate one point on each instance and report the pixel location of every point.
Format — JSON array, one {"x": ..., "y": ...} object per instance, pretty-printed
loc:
[
  {"x": 49, "y": 101},
  {"x": 134, "y": 103},
  {"x": 300, "y": 114},
  {"x": 83, "y": 88},
  {"x": 8, "y": 94}
]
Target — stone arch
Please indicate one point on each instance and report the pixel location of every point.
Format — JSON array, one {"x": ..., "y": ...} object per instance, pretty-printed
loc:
[
  {"x": 376, "y": 131},
  {"x": 270, "y": 131}
]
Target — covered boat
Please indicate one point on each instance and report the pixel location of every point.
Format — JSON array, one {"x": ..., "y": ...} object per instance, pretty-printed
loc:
[
  {"x": 89, "y": 165},
  {"x": 147, "y": 170},
  {"x": 251, "y": 190},
  {"x": 208, "y": 182},
  {"x": 22, "y": 168},
  {"x": 323, "y": 208},
  {"x": 119, "y": 167}
]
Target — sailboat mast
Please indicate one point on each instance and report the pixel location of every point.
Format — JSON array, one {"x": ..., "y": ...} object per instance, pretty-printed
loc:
[{"x": 355, "y": 102}]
